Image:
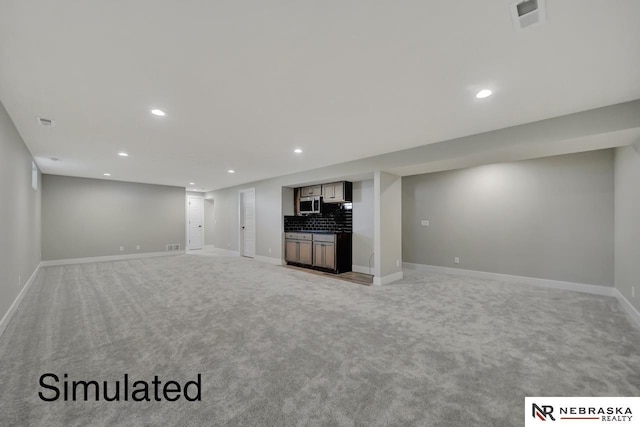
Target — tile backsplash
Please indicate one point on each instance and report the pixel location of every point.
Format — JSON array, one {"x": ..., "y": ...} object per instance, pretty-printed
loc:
[{"x": 332, "y": 218}]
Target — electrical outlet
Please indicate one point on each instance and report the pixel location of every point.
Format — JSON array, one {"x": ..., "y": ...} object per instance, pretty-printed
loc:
[
  {"x": 456, "y": 260},
  {"x": 397, "y": 263},
  {"x": 138, "y": 248},
  {"x": 424, "y": 223},
  {"x": 121, "y": 248},
  {"x": 269, "y": 250}
]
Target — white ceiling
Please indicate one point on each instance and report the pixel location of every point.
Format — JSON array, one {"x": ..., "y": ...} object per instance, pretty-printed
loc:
[{"x": 245, "y": 82}]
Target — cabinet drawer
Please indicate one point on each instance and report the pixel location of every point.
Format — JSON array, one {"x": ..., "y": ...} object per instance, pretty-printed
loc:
[
  {"x": 298, "y": 236},
  {"x": 329, "y": 238}
]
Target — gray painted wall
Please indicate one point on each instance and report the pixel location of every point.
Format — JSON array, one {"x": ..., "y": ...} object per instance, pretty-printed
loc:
[
  {"x": 19, "y": 214},
  {"x": 363, "y": 224},
  {"x": 92, "y": 217},
  {"x": 550, "y": 218},
  {"x": 288, "y": 207},
  {"x": 222, "y": 225},
  {"x": 270, "y": 198},
  {"x": 627, "y": 234}
]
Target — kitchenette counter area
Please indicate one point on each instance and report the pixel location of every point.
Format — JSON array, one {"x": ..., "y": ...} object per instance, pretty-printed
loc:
[
  {"x": 319, "y": 236},
  {"x": 322, "y": 250}
]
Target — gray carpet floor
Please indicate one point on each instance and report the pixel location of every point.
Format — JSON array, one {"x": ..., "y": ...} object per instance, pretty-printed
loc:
[{"x": 279, "y": 347}]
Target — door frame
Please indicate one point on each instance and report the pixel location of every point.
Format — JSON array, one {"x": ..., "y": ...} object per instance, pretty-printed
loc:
[
  {"x": 251, "y": 190},
  {"x": 186, "y": 243}
]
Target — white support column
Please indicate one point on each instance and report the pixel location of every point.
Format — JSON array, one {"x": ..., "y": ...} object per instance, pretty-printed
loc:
[{"x": 387, "y": 228}]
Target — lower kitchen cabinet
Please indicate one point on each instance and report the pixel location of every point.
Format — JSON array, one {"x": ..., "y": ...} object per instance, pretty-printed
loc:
[
  {"x": 298, "y": 248},
  {"x": 305, "y": 251},
  {"x": 322, "y": 251},
  {"x": 324, "y": 255}
]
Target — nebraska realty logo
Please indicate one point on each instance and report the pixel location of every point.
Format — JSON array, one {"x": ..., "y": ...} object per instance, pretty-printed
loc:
[{"x": 581, "y": 411}]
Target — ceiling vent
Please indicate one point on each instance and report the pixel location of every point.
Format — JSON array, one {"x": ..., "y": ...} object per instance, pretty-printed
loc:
[
  {"x": 528, "y": 13},
  {"x": 45, "y": 122}
]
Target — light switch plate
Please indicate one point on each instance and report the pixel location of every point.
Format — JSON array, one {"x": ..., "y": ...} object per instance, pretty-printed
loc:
[{"x": 424, "y": 223}]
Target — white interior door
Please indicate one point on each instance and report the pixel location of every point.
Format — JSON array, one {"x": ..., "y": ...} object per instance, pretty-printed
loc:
[
  {"x": 248, "y": 223},
  {"x": 196, "y": 222}
]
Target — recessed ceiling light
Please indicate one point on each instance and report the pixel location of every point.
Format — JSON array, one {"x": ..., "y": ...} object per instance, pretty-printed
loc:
[
  {"x": 107, "y": 174},
  {"x": 192, "y": 183},
  {"x": 123, "y": 154},
  {"x": 297, "y": 151},
  {"x": 231, "y": 171},
  {"x": 157, "y": 112},
  {"x": 484, "y": 93}
]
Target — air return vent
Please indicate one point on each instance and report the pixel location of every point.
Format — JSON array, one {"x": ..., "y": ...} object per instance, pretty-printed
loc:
[
  {"x": 45, "y": 122},
  {"x": 528, "y": 13}
]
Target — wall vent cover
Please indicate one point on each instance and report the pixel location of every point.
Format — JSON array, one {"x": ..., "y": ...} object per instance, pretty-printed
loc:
[
  {"x": 45, "y": 122},
  {"x": 528, "y": 13}
]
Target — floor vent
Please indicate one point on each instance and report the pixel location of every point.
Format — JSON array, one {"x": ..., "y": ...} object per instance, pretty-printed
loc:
[{"x": 528, "y": 13}]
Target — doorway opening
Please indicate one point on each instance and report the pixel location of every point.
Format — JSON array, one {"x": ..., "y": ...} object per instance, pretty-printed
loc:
[{"x": 247, "y": 221}]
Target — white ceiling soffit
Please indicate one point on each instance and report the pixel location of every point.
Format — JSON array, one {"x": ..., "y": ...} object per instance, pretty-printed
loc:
[
  {"x": 600, "y": 128},
  {"x": 524, "y": 152},
  {"x": 244, "y": 83}
]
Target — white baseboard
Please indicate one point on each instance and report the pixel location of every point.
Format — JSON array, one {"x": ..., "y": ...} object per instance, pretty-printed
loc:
[
  {"x": 107, "y": 258},
  {"x": 385, "y": 280},
  {"x": 361, "y": 269},
  {"x": 545, "y": 283},
  {"x": 630, "y": 309},
  {"x": 268, "y": 260},
  {"x": 12, "y": 310},
  {"x": 226, "y": 251},
  {"x": 555, "y": 284}
]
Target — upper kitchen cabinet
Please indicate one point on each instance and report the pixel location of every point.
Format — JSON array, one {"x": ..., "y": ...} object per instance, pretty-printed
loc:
[
  {"x": 337, "y": 192},
  {"x": 314, "y": 190}
]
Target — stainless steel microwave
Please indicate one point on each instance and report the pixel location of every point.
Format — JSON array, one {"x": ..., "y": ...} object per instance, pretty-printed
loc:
[{"x": 310, "y": 205}]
